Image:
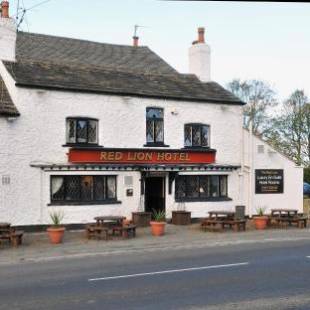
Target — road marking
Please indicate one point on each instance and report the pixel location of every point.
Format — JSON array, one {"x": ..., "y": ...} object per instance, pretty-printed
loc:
[{"x": 168, "y": 271}]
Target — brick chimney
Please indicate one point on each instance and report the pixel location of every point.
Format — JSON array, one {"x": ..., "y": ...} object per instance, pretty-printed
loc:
[
  {"x": 7, "y": 33},
  {"x": 201, "y": 35},
  {"x": 135, "y": 41},
  {"x": 5, "y": 9},
  {"x": 199, "y": 57}
]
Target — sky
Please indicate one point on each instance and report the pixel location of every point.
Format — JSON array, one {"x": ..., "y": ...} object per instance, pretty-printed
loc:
[{"x": 266, "y": 41}]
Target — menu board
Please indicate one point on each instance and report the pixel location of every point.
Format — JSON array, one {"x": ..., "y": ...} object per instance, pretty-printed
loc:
[{"x": 269, "y": 181}]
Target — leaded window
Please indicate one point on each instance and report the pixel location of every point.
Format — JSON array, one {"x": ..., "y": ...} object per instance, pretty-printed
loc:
[
  {"x": 154, "y": 125},
  {"x": 196, "y": 135},
  {"x": 200, "y": 187},
  {"x": 82, "y": 131},
  {"x": 83, "y": 188}
]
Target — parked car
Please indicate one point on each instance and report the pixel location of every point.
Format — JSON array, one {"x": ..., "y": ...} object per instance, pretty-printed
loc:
[{"x": 306, "y": 189}]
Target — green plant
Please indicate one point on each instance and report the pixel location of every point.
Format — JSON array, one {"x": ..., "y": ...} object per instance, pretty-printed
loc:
[
  {"x": 260, "y": 211},
  {"x": 56, "y": 217},
  {"x": 159, "y": 216}
]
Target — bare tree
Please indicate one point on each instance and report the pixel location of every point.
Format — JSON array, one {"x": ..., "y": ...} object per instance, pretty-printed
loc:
[
  {"x": 259, "y": 98},
  {"x": 290, "y": 132}
]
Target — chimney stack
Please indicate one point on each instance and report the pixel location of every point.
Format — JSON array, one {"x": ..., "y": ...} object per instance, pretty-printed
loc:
[
  {"x": 199, "y": 57},
  {"x": 135, "y": 41},
  {"x": 7, "y": 33},
  {"x": 201, "y": 35},
  {"x": 5, "y": 9}
]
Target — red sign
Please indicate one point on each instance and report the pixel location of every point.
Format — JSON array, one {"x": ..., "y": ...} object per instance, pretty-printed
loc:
[{"x": 134, "y": 156}]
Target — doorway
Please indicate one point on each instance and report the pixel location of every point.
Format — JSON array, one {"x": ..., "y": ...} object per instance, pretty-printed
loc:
[{"x": 154, "y": 194}]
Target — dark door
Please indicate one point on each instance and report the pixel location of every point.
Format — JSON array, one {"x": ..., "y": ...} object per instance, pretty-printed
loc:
[{"x": 154, "y": 194}]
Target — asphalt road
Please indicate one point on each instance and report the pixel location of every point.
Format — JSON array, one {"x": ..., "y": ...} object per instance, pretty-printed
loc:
[{"x": 259, "y": 276}]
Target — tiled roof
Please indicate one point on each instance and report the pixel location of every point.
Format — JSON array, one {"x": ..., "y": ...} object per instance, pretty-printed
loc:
[
  {"x": 91, "y": 79},
  {"x": 78, "y": 65},
  {"x": 45, "y": 48},
  {"x": 7, "y": 107}
]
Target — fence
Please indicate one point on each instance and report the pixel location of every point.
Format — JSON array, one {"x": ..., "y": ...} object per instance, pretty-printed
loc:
[{"x": 307, "y": 207}]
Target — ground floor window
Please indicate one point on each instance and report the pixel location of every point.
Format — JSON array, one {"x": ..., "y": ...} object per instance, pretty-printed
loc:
[
  {"x": 83, "y": 188},
  {"x": 200, "y": 187}
]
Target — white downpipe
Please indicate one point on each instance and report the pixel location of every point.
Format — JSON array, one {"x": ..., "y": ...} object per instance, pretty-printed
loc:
[{"x": 251, "y": 171}]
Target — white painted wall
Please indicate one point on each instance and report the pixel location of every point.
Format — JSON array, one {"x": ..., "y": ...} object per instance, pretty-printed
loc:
[
  {"x": 292, "y": 197},
  {"x": 38, "y": 134}
]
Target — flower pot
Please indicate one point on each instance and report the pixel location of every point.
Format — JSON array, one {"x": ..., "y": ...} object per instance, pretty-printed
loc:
[
  {"x": 56, "y": 234},
  {"x": 260, "y": 222},
  {"x": 158, "y": 228}
]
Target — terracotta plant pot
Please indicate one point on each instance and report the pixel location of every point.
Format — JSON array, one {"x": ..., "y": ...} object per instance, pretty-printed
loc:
[
  {"x": 260, "y": 222},
  {"x": 158, "y": 228},
  {"x": 56, "y": 234}
]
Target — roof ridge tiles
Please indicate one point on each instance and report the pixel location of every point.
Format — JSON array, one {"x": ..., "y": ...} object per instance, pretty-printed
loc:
[{"x": 81, "y": 40}]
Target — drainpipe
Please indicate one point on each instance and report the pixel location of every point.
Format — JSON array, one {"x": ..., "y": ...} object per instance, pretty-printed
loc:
[{"x": 251, "y": 170}]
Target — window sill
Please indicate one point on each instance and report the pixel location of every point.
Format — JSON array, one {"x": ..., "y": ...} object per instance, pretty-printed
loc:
[
  {"x": 81, "y": 145},
  {"x": 156, "y": 145},
  {"x": 84, "y": 203},
  {"x": 196, "y": 148},
  {"x": 210, "y": 199}
]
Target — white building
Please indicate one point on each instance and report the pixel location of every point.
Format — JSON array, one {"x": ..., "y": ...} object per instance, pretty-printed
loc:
[{"x": 100, "y": 129}]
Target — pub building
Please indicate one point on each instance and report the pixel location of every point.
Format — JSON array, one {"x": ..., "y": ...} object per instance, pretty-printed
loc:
[{"x": 100, "y": 129}]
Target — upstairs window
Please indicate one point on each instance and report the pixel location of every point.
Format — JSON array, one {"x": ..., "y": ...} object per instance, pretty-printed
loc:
[
  {"x": 196, "y": 135},
  {"x": 154, "y": 126},
  {"x": 82, "y": 130}
]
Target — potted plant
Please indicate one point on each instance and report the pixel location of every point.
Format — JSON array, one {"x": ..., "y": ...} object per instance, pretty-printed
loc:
[
  {"x": 260, "y": 220},
  {"x": 159, "y": 223},
  {"x": 56, "y": 231}
]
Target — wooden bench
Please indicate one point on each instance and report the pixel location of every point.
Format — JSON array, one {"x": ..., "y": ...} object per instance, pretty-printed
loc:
[
  {"x": 13, "y": 236},
  {"x": 212, "y": 225},
  {"x": 283, "y": 222},
  {"x": 236, "y": 225},
  {"x": 16, "y": 237},
  {"x": 219, "y": 224},
  {"x": 97, "y": 232},
  {"x": 5, "y": 236},
  {"x": 126, "y": 231}
]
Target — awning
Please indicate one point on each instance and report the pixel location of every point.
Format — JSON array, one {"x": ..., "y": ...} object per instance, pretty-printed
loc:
[{"x": 135, "y": 167}]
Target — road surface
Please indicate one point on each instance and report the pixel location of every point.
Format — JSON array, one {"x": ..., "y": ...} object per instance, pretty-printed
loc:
[{"x": 257, "y": 276}]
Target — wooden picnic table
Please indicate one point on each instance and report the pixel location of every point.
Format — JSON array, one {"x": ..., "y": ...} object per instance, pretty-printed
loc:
[
  {"x": 4, "y": 226},
  {"x": 284, "y": 212},
  {"x": 107, "y": 226},
  {"x": 221, "y": 214},
  {"x": 284, "y": 217},
  {"x": 10, "y": 234},
  {"x": 109, "y": 220},
  {"x": 218, "y": 220}
]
